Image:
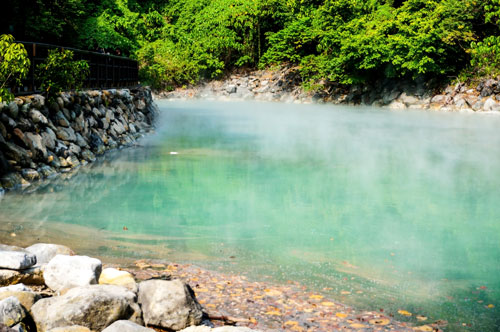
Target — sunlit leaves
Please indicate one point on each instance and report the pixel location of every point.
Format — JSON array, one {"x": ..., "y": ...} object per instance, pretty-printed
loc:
[
  {"x": 59, "y": 72},
  {"x": 14, "y": 65}
]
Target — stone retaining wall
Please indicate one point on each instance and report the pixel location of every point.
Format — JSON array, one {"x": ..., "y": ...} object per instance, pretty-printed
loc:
[{"x": 41, "y": 138}]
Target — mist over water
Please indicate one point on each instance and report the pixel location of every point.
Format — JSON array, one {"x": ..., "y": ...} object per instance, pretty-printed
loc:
[{"x": 379, "y": 209}]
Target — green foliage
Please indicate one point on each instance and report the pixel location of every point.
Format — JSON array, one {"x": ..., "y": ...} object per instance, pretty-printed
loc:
[
  {"x": 358, "y": 40},
  {"x": 345, "y": 41},
  {"x": 14, "y": 65},
  {"x": 59, "y": 72},
  {"x": 485, "y": 56}
]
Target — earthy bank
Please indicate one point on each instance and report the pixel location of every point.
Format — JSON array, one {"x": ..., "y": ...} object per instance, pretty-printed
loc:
[
  {"x": 285, "y": 85},
  {"x": 41, "y": 138}
]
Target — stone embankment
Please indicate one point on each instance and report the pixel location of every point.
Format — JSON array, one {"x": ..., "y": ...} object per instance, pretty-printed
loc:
[
  {"x": 46, "y": 287},
  {"x": 40, "y": 138},
  {"x": 285, "y": 85}
]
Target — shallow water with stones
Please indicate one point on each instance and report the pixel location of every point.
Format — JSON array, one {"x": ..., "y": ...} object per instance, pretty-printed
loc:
[{"x": 378, "y": 209}]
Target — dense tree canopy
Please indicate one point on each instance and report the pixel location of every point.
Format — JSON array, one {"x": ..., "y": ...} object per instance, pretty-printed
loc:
[{"x": 344, "y": 41}]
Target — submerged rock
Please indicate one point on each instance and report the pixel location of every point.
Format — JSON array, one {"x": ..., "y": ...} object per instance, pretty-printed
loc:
[
  {"x": 169, "y": 304},
  {"x": 94, "y": 307},
  {"x": 64, "y": 272}
]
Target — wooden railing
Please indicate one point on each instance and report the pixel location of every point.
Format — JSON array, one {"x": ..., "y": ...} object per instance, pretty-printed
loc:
[{"x": 106, "y": 71}]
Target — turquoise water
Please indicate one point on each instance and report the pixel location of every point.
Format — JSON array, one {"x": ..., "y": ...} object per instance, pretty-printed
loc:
[{"x": 378, "y": 209}]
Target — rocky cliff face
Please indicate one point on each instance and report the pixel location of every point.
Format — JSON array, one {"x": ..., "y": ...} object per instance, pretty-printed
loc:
[
  {"x": 285, "y": 85},
  {"x": 41, "y": 138}
]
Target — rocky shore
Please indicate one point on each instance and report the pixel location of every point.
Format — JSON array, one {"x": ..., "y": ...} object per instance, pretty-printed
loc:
[
  {"x": 47, "y": 287},
  {"x": 285, "y": 85},
  {"x": 40, "y": 139}
]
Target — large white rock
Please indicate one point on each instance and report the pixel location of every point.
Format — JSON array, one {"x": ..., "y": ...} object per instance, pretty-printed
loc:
[
  {"x": 126, "y": 326},
  {"x": 44, "y": 252},
  {"x": 169, "y": 304},
  {"x": 11, "y": 311},
  {"x": 111, "y": 276},
  {"x": 15, "y": 258},
  {"x": 64, "y": 272},
  {"x": 94, "y": 307}
]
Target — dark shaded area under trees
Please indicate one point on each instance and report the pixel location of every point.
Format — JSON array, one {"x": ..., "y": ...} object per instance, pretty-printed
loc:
[{"x": 345, "y": 41}]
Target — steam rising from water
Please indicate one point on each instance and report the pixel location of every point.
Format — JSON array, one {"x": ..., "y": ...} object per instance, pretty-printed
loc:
[{"x": 398, "y": 208}]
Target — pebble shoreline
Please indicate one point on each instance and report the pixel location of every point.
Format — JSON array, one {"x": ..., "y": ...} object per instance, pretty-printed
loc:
[{"x": 47, "y": 287}]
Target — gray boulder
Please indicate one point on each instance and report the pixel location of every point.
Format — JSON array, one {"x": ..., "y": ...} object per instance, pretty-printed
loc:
[
  {"x": 15, "y": 258},
  {"x": 94, "y": 307},
  {"x": 66, "y": 134},
  {"x": 169, "y": 304},
  {"x": 35, "y": 143},
  {"x": 46, "y": 251},
  {"x": 61, "y": 119},
  {"x": 126, "y": 326},
  {"x": 26, "y": 297},
  {"x": 48, "y": 140},
  {"x": 38, "y": 117},
  {"x": 11, "y": 311},
  {"x": 30, "y": 174},
  {"x": 64, "y": 272},
  {"x": 13, "y": 109},
  {"x": 490, "y": 105}
]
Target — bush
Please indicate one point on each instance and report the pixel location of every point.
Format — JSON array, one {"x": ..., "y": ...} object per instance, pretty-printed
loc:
[
  {"x": 14, "y": 65},
  {"x": 59, "y": 72}
]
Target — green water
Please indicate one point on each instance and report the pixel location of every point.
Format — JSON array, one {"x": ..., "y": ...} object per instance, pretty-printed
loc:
[{"x": 401, "y": 209}]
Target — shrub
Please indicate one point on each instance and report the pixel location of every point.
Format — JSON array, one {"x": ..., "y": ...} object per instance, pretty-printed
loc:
[
  {"x": 14, "y": 65},
  {"x": 59, "y": 72}
]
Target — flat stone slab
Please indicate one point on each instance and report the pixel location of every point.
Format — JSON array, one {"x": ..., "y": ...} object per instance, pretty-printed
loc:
[{"x": 15, "y": 258}]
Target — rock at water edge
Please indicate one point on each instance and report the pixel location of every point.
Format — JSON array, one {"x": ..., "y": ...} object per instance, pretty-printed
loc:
[
  {"x": 94, "y": 307},
  {"x": 64, "y": 272},
  {"x": 169, "y": 304},
  {"x": 44, "y": 252},
  {"x": 15, "y": 258},
  {"x": 116, "y": 277}
]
